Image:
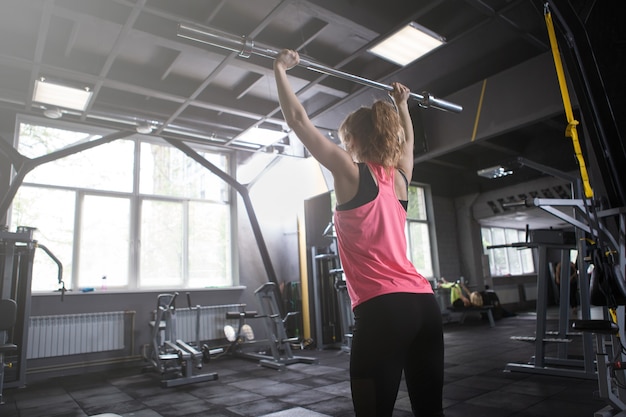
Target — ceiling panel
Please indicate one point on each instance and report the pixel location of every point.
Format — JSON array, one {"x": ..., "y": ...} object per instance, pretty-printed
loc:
[{"x": 130, "y": 54}]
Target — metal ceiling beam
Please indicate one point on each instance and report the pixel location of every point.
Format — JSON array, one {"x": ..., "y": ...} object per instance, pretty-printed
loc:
[
  {"x": 486, "y": 9},
  {"x": 393, "y": 75},
  {"x": 323, "y": 14},
  {"x": 221, "y": 66},
  {"x": 42, "y": 34},
  {"x": 130, "y": 88},
  {"x": 517, "y": 97},
  {"x": 173, "y": 16},
  {"x": 497, "y": 148},
  {"x": 117, "y": 46},
  {"x": 245, "y": 196}
]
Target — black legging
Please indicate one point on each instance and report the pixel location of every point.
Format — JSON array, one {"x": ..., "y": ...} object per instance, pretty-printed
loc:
[{"x": 392, "y": 333}]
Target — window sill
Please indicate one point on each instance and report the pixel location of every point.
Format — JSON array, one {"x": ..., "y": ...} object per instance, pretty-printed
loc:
[{"x": 157, "y": 291}]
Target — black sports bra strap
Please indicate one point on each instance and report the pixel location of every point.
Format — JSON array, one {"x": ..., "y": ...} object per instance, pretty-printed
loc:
[
  {"x": 368, "y": 189},
  {"x": 406, "y": 180}
]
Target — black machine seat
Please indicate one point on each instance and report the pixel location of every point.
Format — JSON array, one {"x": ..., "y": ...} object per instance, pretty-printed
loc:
[
  {"x": 484, "y": 309},
  {"x": 595, "y": 326}
]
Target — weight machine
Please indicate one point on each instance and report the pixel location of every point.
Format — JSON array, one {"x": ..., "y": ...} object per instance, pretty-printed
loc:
[
  {"x": 174, "y": 358},
  {"x": 278, "y": 342},
  {"x": 17, "y": 254},
  {"x": 345, "y": 312},
  {"x": 561, "y": 363},
  {"x": 343, "y": 302},
  {"x": 602, "y": 219}
]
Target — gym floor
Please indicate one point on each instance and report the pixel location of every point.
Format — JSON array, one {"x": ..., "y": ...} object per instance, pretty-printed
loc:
[{"x": 476, "y": 385}]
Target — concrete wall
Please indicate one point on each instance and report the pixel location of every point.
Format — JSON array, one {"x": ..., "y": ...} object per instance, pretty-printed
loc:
[{"x": 446, "y": 231}]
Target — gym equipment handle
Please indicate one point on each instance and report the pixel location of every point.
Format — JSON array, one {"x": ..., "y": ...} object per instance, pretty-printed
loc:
[
  {"x": 245, "y": 47},
  {"x": 59, "y": 267}
]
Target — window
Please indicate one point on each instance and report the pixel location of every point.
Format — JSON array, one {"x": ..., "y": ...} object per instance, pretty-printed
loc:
[
  {"x": 106, "y": 167},
  {"x": 507, "y": 260},
  {"x": 103, "y": 252},
  {"x": 162, "y": 222},
  {"x": 419, "y": 232}
]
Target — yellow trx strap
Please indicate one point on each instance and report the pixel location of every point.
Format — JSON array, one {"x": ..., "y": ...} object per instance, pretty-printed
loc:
[
  {"x": 613, "y": 317},
  {"x": 570, "y": 131}
]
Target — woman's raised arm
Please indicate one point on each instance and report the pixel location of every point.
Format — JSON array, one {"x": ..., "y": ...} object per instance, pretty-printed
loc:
[
  {"x": 336, "y": 159},
  {"x": 400, "y": 95}
]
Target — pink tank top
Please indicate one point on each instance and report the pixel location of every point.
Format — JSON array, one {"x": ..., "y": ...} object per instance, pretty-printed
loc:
[{"x": 372, "y": 245}]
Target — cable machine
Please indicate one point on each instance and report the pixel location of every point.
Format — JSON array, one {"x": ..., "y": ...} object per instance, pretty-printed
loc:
[
  {"x": 561, "y": 363},
  {"x": 602, "y": 223},
  {"x": 324, "y": 269},
  {"x": 17, "y": 254}
]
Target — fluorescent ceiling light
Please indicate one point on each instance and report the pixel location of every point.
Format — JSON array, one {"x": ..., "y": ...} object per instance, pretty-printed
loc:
[
  {"x": 497, "y": 171},
  {"x": 60, "y": 95},
  {"x": 407, "y": 44},
  {"x": 260, "y": 136}
]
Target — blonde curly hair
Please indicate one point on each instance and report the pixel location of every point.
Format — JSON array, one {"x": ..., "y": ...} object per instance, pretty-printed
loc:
[{"x": 374, "y": 134}]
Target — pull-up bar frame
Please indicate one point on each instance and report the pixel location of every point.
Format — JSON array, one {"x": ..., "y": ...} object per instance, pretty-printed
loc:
[{"x": 246, "y": 47}]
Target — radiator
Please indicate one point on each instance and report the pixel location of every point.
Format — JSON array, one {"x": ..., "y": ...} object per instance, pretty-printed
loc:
[
  {"x": 72, "y": 334},
  {"x": 212, "y": 322}
]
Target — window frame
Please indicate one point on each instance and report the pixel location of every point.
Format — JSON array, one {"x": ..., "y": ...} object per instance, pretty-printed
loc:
[
  {"x": 525, "y": 256},
  {"x": 135, "y": 199},
  {"x": 430, "y": 224}
]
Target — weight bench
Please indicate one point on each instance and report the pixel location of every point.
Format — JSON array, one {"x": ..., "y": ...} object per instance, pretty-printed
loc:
[{"x": 486, "y": 309}]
